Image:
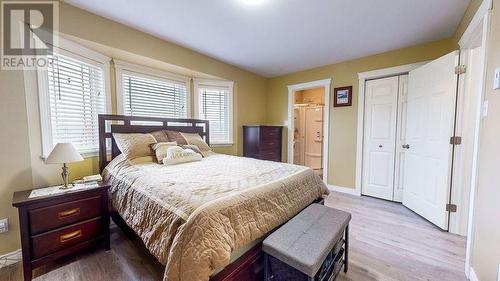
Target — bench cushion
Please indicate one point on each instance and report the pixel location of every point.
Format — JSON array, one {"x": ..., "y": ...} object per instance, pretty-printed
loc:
[{"x": 305, "y": 240}]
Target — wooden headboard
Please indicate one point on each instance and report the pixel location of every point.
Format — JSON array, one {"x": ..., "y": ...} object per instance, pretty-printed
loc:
[{"x": 109, "y": 124}]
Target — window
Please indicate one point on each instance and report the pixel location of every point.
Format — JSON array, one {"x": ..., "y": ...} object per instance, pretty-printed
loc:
[
  {"x": 72, "y": 93},
  {"x": 157, "y": 94},
  {"x": 214, "y": 102}
]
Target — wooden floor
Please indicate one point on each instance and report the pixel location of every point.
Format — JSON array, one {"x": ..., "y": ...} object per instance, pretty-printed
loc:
[{"x": 388, "y": 242}]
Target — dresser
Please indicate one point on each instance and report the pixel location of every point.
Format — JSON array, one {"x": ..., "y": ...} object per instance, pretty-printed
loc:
[
  {"x": 53, "y": 226},
  {"x": 262, "y": 142}
]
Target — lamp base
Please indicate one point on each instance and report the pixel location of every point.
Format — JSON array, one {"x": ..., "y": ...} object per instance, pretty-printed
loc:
[
  {"x": 65, "y": 176},
  {"x": 64, "y": 187}
]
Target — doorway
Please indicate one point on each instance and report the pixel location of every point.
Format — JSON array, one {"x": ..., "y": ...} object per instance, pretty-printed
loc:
[
  {"x": 308, "y": 123},
  {"x": 308, "y": 128}
]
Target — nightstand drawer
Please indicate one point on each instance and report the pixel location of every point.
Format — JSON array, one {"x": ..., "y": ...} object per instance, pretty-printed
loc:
[
  {"x": 55, "y": 216},
  {"x": 53, "y": 241}
]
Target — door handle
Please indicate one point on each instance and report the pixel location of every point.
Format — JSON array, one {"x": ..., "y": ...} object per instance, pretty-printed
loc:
[
  {"x": 407, "y": 146},
  {"x": 380, "y": 146}
]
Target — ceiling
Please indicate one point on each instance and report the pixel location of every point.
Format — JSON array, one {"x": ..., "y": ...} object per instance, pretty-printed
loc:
[{"x": 275, "y": 37}]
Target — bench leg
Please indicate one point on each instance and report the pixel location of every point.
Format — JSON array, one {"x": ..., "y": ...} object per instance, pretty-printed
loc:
[
  {"x": 266, "y": 267},
  {"x": 346, "y": 250}
]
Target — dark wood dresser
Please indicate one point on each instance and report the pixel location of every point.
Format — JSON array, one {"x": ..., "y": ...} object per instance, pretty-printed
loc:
[
  {"x": 57, "y": 225},
  {"x": 262, "y": 142}
]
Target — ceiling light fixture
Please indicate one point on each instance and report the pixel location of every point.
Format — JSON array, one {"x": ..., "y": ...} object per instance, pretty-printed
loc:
[{"x": 252, "y": 2}]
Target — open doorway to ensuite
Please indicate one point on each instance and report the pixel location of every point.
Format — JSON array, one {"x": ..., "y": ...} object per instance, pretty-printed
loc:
[
  {"x": 308, "y": 128},
  {"x": 308, "y": 116}
]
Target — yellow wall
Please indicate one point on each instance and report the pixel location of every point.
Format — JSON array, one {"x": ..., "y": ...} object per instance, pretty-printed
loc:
[
  {"x": 343, "y": 120},
  {"x": 15, "y": 169},
  {"x": 486, "y": 237}
]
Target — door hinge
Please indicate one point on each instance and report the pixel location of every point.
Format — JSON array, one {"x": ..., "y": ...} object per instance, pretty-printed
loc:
[
  {"x": 460, "y": 69},
  {"x": 452, "y": 208},
  {"x": 456, "y": 140}
]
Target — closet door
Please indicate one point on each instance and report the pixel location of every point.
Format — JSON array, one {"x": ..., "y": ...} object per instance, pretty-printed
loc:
[
  {"x": 400, "y": 138},
  {"x": 381, "y": 102}
]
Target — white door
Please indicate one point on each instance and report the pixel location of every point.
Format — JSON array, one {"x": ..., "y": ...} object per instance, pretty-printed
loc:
[
  {"x": 432, "y": 91},
  {"x": 381, "y": 101},
  {"x": 400, "y": 138}
]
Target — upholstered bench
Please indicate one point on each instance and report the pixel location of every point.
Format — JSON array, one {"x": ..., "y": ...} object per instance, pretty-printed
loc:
[{"x": 311, "y": 246}]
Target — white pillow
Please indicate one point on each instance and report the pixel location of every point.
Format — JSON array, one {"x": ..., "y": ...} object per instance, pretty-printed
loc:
[
  {"x": 161, "y": 149},
  {"x": 177, "y": 155}
]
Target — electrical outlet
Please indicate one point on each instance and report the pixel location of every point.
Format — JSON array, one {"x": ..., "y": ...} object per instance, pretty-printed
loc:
[{"x": 4, "y": 225}]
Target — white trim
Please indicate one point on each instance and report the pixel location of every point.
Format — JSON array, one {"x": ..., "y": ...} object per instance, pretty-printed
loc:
[
  {"x": 472, "y": 275},
  {"x": 216, "y": 83},
  {"x": 11, "y": 258},
  {"x": 475, "y": 164},
  {"x": 326, "y": 118},
  {"x": 123, "y": 67},
  {"x": 76, "y": 51},
  {"x": 469, "y": 33},
  {"x": 346, "y": 190},
  {"x": 363, "y": 76},
  {"x": 390, "y": 71}
]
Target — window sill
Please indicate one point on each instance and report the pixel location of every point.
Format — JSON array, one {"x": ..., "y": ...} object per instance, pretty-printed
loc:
[{"x": 221, "y": 144}]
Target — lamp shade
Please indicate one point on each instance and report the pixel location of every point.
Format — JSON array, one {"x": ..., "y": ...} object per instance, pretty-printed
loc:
[{"x": 63, "y": 153}]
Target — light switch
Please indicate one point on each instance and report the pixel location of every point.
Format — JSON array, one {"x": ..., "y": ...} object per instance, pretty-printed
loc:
[{"x": 496, "y": 83}]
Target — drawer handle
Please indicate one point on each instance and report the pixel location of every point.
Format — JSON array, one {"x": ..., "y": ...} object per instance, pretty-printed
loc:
[
  {"x": 70, "y": 236},
  {"x": 68, "y": 213}
]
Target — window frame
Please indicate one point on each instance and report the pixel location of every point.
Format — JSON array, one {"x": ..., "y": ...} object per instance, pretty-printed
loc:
[
  {"x": 122, "y": 67},
  {"x": 197, "y": 84},
  {"x": 77, "y": 52}
]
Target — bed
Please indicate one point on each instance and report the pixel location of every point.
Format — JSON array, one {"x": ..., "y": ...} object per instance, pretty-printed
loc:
[{"x": 203, "y": 220}]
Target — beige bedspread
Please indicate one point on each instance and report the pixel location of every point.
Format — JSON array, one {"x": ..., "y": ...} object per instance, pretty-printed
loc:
[{"x": 191, "y": 216}]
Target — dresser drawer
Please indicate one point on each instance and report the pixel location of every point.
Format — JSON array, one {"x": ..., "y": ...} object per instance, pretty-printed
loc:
[
  {"x": 53, "y": 241},
  {"x": 270, "y": 133},
  {"x": 55, "y": 216},
  {"x": 269, "y": 144},
  {"x": 272, "y": 155}
]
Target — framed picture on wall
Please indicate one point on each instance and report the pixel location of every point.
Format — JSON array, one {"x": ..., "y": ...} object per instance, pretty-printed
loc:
[{"x": 342, "y": 96}]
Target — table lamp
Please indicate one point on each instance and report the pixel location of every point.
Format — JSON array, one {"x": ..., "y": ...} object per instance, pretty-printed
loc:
[{"x": 64, "y": 153}]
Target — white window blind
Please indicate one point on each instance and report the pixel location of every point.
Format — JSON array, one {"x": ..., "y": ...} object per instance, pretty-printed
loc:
[
  {"x": 215, "y": 105},
  {"x": 76, "y": 95},
  {"x": 152, "y": 96}
]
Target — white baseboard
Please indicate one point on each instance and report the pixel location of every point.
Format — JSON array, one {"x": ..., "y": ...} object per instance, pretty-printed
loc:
[
  {"x": 11, "y": 258},
  {"x": 342, "y": 189},
  {"x": 472, "y": 275}
]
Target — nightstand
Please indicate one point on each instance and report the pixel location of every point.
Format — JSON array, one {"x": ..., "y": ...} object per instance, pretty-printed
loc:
[{"x": 54, "y": 226}]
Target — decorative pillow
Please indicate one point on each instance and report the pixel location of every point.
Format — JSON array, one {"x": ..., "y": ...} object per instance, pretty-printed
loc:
[
  {"x": 160, "y": 136},
  {"x": 176, "y": 136},
  {"x": 193, "y": 148},
  {"x": 195, "y": 139},
  {"x": 134, "y": 145},
  {"x": 177, "y": 155},
  {"x": 161, "y": 148}
]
